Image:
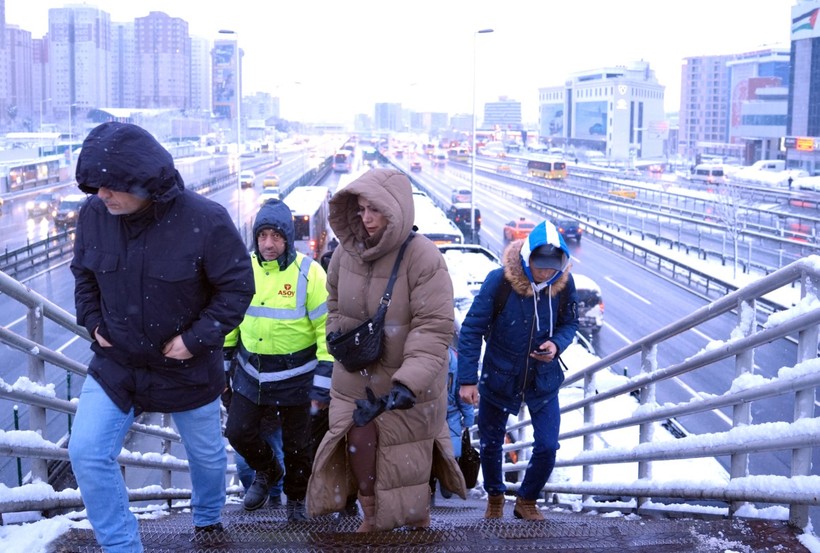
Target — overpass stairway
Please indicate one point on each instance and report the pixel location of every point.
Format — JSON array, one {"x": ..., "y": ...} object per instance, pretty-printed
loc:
[{"x": 459, "y": 526}]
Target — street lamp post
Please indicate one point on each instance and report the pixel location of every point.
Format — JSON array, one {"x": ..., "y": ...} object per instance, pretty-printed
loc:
[
  {"x": 40, "y": 129},
  {"x": 70, "y": 137},
  {"x": 473, "y": 152},
  {"x": 238, "y": 98}
]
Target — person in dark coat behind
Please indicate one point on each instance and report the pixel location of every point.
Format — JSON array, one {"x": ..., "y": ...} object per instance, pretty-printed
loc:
[{"x": 161, "y": 277}]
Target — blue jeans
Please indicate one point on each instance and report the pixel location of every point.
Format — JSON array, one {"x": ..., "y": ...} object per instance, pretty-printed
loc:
[
  {"x": 246, "y": 474},
  {"x": 492, "y": 425},
  {"x": 97, "y": 438}
]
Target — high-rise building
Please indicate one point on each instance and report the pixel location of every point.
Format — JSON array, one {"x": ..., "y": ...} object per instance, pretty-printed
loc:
[
  {"x": 200, "y": 75},
  {"x": 704, "y": 107},
  {"x": 40, "y": 83},
  {"x": 4, "y": 66},
  {"x": 758, "y": 103},
  {"x": 123, "y": 66},
  {"x": 387, "y": 117},
  {"x": 79, "y": 60},
  {"x": 503, "y": 115},
  {"x": 19, "y": 107},
  {"x": 163, "y": 50},
  {"x": 802, "y": 141},
  {"x": 730, "y": 106}
]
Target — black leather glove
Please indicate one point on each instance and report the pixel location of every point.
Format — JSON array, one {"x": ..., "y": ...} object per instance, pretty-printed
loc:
[
  {"x": 400, "y": 397},
  {"x": 368, "y": 409}
]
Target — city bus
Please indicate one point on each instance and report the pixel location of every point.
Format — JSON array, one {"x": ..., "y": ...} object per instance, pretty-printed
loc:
[
  {"x": 370, "y": 156},
  {"x": 343, "y": 161},
  {"x": 16, "y": 176},
  {"x": 308, "y": 204},
  {"x": 547, "y": 168}
]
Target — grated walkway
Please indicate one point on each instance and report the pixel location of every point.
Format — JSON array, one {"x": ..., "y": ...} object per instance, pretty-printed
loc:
[{"x": 458, "y": 526}]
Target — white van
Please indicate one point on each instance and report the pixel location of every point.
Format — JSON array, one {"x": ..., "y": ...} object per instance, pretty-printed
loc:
[
  {"x": 708, "y": 173},
  {"x": 769, "y": 165}
]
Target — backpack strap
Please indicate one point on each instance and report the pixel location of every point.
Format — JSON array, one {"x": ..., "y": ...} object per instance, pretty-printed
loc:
[{"x": 502, "y": 293}]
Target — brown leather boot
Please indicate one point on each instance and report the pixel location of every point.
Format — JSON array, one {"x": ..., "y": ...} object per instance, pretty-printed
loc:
[
  {"x": 368, "y": 503},
  {"x": 495, "y": 506},
  {"x": 526, "y": 509}
]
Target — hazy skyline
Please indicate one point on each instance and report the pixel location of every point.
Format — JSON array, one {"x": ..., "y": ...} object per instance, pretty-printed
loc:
[{"x": 346, "y": 56}]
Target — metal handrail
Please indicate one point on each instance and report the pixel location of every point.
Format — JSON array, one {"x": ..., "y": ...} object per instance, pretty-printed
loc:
[{"x": 798, "y": 436}]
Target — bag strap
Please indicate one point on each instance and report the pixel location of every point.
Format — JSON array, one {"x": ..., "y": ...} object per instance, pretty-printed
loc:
[
  {"x": 389, "y": 291},
  {"x": 502, "y": 293}
]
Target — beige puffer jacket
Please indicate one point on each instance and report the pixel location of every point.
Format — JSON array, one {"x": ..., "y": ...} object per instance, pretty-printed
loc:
[{"x": 419, "y": 327}]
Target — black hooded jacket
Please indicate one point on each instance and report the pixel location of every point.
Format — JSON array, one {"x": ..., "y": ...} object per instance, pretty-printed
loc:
[{"x": 178, "y": 267}]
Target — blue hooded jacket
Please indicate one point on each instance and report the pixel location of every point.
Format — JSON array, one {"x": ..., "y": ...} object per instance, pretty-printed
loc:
[{"x": 532, "y": 314}]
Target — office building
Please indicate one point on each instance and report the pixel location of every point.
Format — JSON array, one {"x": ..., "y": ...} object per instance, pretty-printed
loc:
[
  {"x": 802, "y": 142},
  {"x": 503, "y": 115},
  {"x": 616, "y": 112},
  {"x": 758, "y": 102}
]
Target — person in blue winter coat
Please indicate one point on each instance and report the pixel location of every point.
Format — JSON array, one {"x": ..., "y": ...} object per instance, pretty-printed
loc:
[
  {"x": 460, "y": 414},
  {"x": 524, "y": 338},
  {"x": 161, "y": 277}
]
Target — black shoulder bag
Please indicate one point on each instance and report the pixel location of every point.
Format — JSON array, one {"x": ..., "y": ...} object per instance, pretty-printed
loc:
[{"x": 362, "y": 346}]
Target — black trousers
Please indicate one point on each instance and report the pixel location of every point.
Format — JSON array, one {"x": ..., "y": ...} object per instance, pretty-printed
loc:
[{"x": 243, "y": 430}]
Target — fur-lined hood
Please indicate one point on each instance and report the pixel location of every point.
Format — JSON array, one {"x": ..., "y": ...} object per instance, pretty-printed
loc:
[{"x": 517, "y": 254}]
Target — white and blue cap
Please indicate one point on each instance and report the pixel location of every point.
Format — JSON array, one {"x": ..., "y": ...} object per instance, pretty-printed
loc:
[
  {"x": 544, "y": 248},
  {"x": 547, "y": 256}
]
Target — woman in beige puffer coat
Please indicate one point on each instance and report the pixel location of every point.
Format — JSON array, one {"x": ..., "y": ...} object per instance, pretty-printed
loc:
[{"x": 389, "y": 460}]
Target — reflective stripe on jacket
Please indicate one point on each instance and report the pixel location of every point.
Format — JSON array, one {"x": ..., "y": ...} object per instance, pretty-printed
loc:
[{"x": 282, "y": 337}]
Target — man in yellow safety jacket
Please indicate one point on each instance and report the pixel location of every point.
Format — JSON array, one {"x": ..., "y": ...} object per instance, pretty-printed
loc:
[{"x": 281, "y": 364}]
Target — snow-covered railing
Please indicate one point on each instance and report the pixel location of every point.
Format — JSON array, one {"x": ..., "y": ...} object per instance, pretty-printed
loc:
[
  {"x": 596, "y": 405},
  {"x": 36, "y": 494},
  {"x": 600, "y": 411}
]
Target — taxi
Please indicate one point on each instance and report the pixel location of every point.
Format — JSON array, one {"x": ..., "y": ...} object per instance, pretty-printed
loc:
[
  {"x": 515, "y": 230},
  {"x": 270, "y": 181}
]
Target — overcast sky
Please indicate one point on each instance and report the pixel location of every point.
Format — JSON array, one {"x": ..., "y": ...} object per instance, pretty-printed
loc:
[{"x": 348, "y": 55}]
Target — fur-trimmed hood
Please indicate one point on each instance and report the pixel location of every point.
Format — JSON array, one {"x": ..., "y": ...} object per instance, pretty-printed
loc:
[{"x": 516, "y": 258}]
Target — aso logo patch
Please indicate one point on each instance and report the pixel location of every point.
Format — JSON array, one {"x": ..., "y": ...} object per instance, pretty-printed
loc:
[{"x": 287, "y": 291}]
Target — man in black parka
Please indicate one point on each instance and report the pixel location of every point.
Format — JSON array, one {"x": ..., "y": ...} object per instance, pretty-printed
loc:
[{"x": 161, "y": 276}]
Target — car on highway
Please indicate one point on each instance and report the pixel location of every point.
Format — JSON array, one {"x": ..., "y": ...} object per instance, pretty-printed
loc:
[
  {"x": 268, "y": 194},
  {"x": 515, "y": 230},
  {"x": 459, "y": 213},
  {"x": 461, "y": 195},
  {"x": 247, "y": 179},
  {"x": 270, "y": 181},
  {"x": 468, "y": 265},
  {"x": 42, "y": 205},
  {"x": 415, "y": 166},
  {"x": 590, "y": 305},
  {"x": 65, "y": 216},
  {"x": 569, "y": 229}
]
